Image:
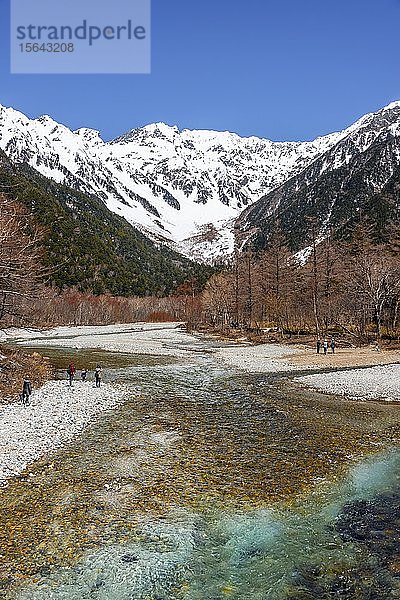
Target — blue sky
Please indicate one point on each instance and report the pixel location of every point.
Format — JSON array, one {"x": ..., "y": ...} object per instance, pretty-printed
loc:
[{"x": 279, "y": 69}]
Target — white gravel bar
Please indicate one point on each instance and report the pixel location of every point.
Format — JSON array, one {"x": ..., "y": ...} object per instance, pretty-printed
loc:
[
  {"x": 56, "y": 414},
  {"x": 374, "y": 383},
  {"x": 161, "y": 339},
  {"x": 264, "y": 358}
]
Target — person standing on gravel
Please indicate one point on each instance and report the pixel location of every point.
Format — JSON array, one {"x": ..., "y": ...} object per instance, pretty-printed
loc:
[
  {"x": 97, "y": 376},
  {"x": 26, "y": 391},
  {"x": 83, "y": 374},
  {"x": 325, "y": 346},
  {"x": 318, "y": 345},
  {"x": 333, "y": 344},
  {"x": 71, "y": 372}
]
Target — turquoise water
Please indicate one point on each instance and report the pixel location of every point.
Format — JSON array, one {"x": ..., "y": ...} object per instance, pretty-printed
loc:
[
  {"x": 209, "y": 484},
  {"x": 245, "y": 555}
]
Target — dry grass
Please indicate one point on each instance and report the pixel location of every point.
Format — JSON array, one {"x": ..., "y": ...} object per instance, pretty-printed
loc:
[{"x": 15, "y": 364}]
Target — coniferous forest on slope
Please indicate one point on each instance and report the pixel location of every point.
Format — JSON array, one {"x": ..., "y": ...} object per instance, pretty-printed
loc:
[
  {"x": 91, "y": 248},
  {"x": 336, "y": 200}
]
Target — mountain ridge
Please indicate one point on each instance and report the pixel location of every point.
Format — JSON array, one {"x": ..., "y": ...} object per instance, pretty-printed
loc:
[
  {"x": 88, "y": 247},
  {"x": 332, "y": 191},
  {"x": 183, "y": 188}
]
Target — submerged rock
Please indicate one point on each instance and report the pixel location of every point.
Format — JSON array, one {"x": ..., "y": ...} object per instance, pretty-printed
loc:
[
  {"x": 129, "y": 558},
  {"x": 375, "y": 524}
]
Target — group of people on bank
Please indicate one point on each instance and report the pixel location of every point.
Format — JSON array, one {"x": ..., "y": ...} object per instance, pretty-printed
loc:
[
  {"x": 325, "y": 345},
  {"x": 71, "y": 371}
]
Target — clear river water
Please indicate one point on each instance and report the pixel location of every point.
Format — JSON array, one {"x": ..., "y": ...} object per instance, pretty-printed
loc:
[{"x": 208, "y": 483}]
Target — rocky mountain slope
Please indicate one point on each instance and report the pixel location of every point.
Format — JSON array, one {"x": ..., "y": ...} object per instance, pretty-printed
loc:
[
  {"x": 358, "y": 177},
  {"x": 180, "y": 187},
  {"x": 192, "y": 190},
  {"x": 88, "y": 246}
]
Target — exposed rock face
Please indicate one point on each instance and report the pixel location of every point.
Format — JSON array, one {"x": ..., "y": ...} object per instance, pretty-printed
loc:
[
  {"x": 360, "y": 174},
  {"x": 176, "y": 185}
]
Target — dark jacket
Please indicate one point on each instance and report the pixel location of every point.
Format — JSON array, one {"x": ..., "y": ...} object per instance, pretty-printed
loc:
[{"x": 27, "y": 387}]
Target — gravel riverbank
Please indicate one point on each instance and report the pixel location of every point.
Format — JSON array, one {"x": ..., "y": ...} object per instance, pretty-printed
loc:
[
  {"x": 264, "y": 358},
  {"x": 56, "y": 414},
  {"x": 158, "y": 339},
  {"x": 375, "y": 383}
]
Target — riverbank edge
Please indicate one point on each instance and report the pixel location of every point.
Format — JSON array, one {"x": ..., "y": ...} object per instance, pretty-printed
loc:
[
  {"x": 15, "y": 365},
  {"x": 359, "y": 374},
  {"x": 56, "y": 414},
  {"x": 299, "y": 351},
  {"x": 301, "y": 354},
  {"x": 243, "y": 355}
]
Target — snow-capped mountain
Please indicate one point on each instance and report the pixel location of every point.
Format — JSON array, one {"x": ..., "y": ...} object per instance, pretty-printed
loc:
[
  {"x": 184, "y": 188},
  {"x": 349, "y": 180},
  {"x": 175, "y": 185}
]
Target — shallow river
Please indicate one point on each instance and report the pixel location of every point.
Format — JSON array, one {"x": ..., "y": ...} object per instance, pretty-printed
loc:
[{"x": 208, "y": 483}]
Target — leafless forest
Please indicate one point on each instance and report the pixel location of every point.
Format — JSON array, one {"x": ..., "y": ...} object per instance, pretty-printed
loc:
[
  {"x": 352, "y": 288},
  {"x": 347, "y": 287}
]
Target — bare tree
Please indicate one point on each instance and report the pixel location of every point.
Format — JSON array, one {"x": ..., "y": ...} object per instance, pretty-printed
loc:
[
  {"x": 21, "y": 271},
  {"x": 276, "y": 283},
  {"x": 375, "y": 281},
  {"x": 219, "y": 300}
]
